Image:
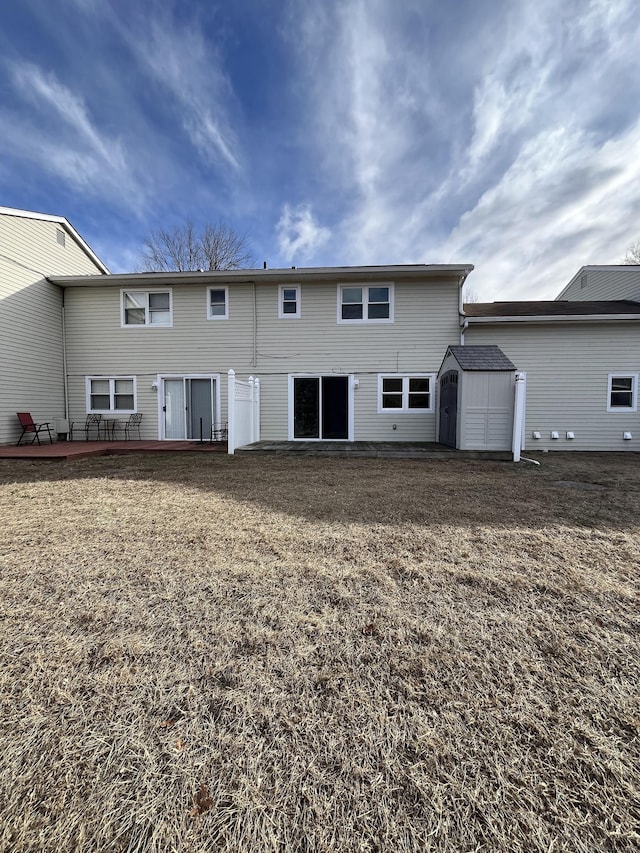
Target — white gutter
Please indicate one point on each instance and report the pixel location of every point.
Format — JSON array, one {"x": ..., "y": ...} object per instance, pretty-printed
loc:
[{"x": 463, "y": 324}]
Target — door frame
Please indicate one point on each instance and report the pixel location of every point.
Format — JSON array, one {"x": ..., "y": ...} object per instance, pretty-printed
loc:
[
  {"x": 215, "y": 400},
  {"x": 351, "y": 384}
]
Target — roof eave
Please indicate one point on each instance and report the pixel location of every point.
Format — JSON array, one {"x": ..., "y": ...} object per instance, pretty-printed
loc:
[{"x": 243, "y": 276}]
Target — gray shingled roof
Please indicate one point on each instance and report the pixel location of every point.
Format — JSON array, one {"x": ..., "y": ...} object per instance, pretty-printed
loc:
[
  {"x": 555, "y": 308},
  {"x": 481, "y": 358}
]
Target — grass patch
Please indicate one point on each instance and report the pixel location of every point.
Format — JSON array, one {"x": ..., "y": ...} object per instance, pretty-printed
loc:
[{"x": 276, "y": 654}]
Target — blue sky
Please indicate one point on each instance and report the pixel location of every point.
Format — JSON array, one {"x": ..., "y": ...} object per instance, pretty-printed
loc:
[{"x": 502, "y": 133}]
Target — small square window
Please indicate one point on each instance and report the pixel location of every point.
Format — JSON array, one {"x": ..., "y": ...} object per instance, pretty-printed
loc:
[
  {"x": 622, "y": 392},
  {"x": 218, "y": 303},
  {"x": 289, "y": 301}
]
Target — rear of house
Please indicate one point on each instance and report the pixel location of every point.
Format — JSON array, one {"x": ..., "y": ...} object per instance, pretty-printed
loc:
[{"x": 342, "y": 354}]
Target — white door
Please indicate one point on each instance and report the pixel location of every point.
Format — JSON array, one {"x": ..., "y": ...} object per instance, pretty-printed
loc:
[{"x": 175, "y": 420}]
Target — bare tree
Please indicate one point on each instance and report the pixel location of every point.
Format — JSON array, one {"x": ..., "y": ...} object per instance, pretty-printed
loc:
[
  {"x": 183, "y": 249},
  {"x": 633, "y": 254}
]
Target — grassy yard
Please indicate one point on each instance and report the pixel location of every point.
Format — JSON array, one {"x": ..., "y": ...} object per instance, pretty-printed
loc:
[{"x": 277, "y": 654}]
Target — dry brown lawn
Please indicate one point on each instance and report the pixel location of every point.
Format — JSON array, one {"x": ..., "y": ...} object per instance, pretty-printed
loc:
[{"x": 296, "y": 654}]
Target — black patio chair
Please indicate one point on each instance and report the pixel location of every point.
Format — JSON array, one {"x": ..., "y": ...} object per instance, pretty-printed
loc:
[
  {"x": 91, "y": 422},
  {"x": 28, "y": 426},
  {"x": 131, "y": 425}
]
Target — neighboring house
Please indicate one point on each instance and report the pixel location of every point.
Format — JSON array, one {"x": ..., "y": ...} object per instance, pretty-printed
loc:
[
  {"x": 581, "y": 361},
  {"x": 603, "y": 282},
  {"x": 32, "y": 247},
  {"x": 346, "y": 353}
]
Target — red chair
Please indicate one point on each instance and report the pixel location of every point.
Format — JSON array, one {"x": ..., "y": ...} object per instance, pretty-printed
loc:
[{"x": 28, "y": 426}]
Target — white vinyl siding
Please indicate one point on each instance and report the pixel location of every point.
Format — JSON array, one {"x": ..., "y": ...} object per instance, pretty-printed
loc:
[{"x": 613, "y": 282}]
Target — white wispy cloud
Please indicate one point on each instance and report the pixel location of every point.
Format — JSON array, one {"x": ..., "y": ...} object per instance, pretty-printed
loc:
[
  {"x": 299, "y": 234},
  {"x": 502, "y": 143},
  {"x": 60, "y": 133},
  {"x": 183, "y": 63}
]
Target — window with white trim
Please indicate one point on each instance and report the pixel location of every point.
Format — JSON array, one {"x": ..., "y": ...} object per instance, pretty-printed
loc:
[
  {"x": 109, "y": 394},
  {"x": 218, "y": 303},
  {"x": 367, "y": 303},
  {"x": 147, "y": 308},
  {"x": 622, "y": 392},
  {"x": 409, "y": 392},
  {"x": 289, "y": 305}
]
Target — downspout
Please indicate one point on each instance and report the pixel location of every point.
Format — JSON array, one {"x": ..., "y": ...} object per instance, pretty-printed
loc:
[
  {"x": 255, "y": 327},
  {"x": 462, "y": 319},
  {"x": 64, "y": 362}
]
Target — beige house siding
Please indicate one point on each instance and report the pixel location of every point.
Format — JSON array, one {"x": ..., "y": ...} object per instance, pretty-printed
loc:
[
  {"x": 265, "y": 346},
  {"x": 613, "y": 282},
  {"x": 567, "y": 367},
  {"x": 31, "y": 319}
]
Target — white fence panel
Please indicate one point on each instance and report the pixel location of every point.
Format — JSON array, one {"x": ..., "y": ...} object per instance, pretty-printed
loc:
[{"x": 244, "y": 411}]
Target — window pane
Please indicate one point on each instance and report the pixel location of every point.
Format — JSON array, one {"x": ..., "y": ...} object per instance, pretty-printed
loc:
[
  {"x": 160, "y": 318},
  {"x": 352, "y": 312},
  {"x": 124, "y": 386},
  {"x": 392, "y": 401},
  {"x": 392, "y": 384},
  {"x": 217, "y": 297},
  {"x": 419, "y": 401},
  {"x": 134, "y": 316},
  {"x": 100, "y": 402},
  {"x": 289, "y": 295},
  {"x": 159, "y": 301},
  {"x": 378, "y": 294},
  {"x": 351, "y": 294},
  {"x": 622, "y": 383},
  {"x": 100, "y": 386},
  {"x": 419, "y": 384},
  {"x": 135, "y": 300},
  {"x": 379, "y": 312},
  {"x": 218, "y": 310},
  {"x": 124, "y": 401},
  {"x": 289, "y": 308}
]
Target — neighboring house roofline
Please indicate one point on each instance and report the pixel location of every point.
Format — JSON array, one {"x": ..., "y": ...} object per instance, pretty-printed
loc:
[
  {"x": 65, "y": 224},
  {"x": 596, "y": 268},
  {"x": 399, "y": 272}
]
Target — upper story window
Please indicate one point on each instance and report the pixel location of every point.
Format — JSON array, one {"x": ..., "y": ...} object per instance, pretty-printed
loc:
[
  {"x": 218, "y": 303},
  {"x": 367, "y": 303},
  {"x": 289, "y": 304},
  {"x": 411, "y": 392},
  {"x": 108, "y": 394},
  {"x": 622, "y": 392},
  {"x": 147, "y": 308}
]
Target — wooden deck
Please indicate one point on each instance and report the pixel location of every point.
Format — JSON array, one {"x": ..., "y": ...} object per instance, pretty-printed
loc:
[{"x": 61, "y": 450}]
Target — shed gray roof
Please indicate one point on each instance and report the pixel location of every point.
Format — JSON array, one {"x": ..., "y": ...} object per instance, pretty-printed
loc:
[{"x": 481, "y": 358}]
